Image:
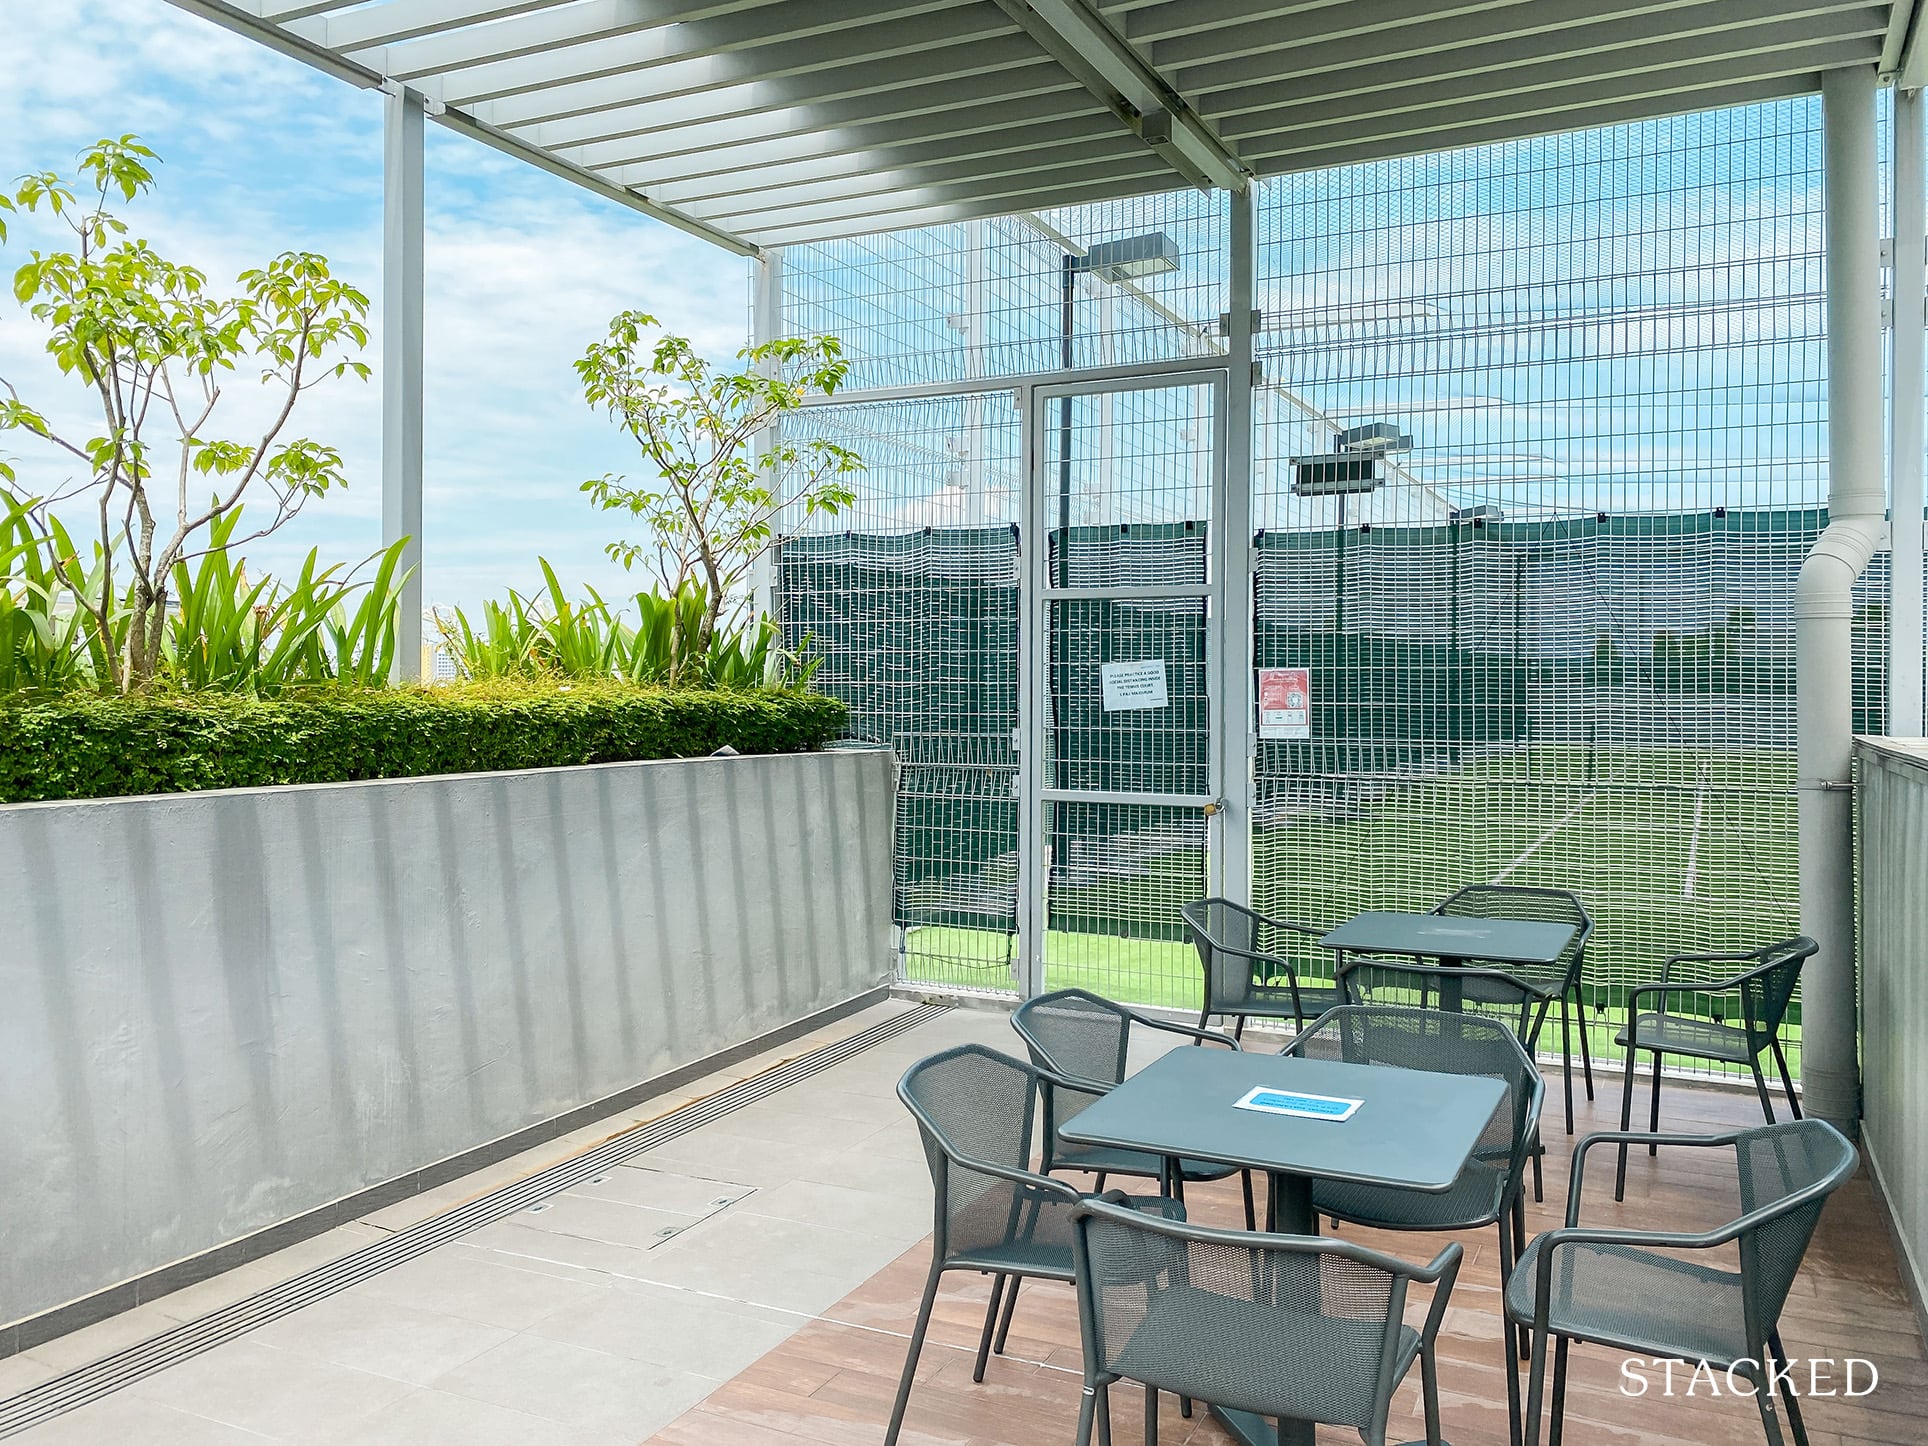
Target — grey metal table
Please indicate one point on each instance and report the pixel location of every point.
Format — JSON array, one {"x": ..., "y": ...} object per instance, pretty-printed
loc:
[
  {"x": 1415, "y": 1131},
  {"x": 1452, "y": 940}
]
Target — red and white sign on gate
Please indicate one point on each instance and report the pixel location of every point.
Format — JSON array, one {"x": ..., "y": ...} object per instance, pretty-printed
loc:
[{"x": 1285, "y": 702}]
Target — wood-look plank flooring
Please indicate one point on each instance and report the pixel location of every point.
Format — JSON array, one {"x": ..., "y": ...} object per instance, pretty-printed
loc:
[{"x": 834, "y": 1380}]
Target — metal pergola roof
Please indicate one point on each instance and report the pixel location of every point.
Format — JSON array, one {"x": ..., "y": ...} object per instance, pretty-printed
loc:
[{"x": 762, "y": 123}]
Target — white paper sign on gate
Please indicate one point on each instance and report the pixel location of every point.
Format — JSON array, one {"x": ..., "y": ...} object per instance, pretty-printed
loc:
[
  {"x": 1285, "y": 702},
  {"x": 1134, "y": 685}
]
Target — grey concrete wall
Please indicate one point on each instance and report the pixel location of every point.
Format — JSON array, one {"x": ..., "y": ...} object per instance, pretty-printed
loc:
[
  {"x": 1892, "y": 833},
  {"x": 220, "y": 1010}
]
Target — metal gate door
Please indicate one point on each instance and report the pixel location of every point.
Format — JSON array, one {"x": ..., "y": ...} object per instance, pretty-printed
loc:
[{"x": 1120, "y": 772}]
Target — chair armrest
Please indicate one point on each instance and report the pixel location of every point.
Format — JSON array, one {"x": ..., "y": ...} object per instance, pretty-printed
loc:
[
  {"x": 1441, "y": 1273},
  {"x": 1577, "y": 1178},
  {"x": 1203, "y": 1036},
  {"x": 1714, "y": 986},
  {"x": 1041, "y": 1183}
]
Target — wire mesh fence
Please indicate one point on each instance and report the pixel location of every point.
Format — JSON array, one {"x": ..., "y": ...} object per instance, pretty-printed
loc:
[{"x": 1548, "y": 617}]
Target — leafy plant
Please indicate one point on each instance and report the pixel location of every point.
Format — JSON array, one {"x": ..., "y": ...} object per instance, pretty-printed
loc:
[
  {"x": 145, "y": 336},
  {"x": 551, "y": 636},
  {"x": 724, "y": 474}
]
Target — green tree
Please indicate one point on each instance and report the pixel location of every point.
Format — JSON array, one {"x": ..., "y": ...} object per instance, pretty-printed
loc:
[
  {"x": 154, "y": 346},
  {"x": 724, "y": 475}
]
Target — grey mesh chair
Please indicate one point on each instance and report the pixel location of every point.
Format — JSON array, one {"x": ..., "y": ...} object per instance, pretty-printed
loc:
[
  {"x": 1641, "y": 1291},
  {"x": 1084, "y": 1040},
  {"x": 1488, "y": 1191},
  {"x": 1563, "y": 981},
  {"x": 976, "y": 1111},
  {"x": 1290, "y": 1327},
  {"x": 1247, "y": 961},
  {"x": 1757, "y": 998},
  {"x": 1491, "y": 993}
]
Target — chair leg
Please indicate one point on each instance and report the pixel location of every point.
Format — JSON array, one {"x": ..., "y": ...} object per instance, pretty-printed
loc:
[
  {"x": 1787, "y": 1080},
  {"x": 1566, "y": 1061},
  {"x": 1792, "y": 1402},
  {"x": 1586, "y": 1050},
  {"x": 1770, "y": 1422},
  {"x": 1098, "y": 1185},
  {"x": 990, "y": 1325},
  {"x": 1653, "y": 1125},
  {"x": 1238, "y": 1031},
  {"x": 1539, "y": 1176},
  {"x": 1626, "y": 1123},
  {"x": 1760, "y": 1088},
  {"x": 910, "y": 1356},
  {"x": 1509, "y": 1257},
  {"x": 1535, "y": 1388},
  {"x": 1104, "y": 1414},
  {"x": 1151, "y": 1416},
  {"x": 1087, "y": 1408},
  {"x": 1512, "y": 1370},
  {"x": 1251, "y": 1210},
  {"x": 1010, "y": 1306},
  {"x": 1559, "y": 1393},
  {"x": 1429, "y": 1391}
]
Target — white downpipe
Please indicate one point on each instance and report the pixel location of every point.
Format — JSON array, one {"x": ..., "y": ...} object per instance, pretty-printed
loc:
[
  {"x": 402, "y": 271},
  {"x": 1906, "y": 420},
  {"x": 1824, "y": 597}
]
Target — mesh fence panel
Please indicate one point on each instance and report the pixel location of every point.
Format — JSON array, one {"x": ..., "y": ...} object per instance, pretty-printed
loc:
[{"x": 1553, "y": 644}]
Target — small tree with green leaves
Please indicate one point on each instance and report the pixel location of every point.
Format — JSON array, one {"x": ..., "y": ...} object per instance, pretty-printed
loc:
[
  {"x": 154, "y": 346},
  {"x": 725, "y": 476}
]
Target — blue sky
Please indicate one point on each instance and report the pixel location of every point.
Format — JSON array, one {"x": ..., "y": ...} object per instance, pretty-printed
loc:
[{"x": 262, "y": 154}]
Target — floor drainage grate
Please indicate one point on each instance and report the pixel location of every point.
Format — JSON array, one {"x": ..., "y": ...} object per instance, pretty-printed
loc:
[{"x": 88, "y": 1383}]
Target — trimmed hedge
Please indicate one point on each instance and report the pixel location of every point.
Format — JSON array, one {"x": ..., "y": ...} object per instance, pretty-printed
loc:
[{"x": 81, "y": 746}]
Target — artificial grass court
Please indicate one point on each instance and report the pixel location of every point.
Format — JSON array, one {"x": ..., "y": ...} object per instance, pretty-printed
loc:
[{"x": 1672, "y": 850}]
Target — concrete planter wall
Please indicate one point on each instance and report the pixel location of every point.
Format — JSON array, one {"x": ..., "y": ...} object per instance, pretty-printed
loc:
[
  {"x": 1891, "y": 809},
  {"x": 219, "y": 1011}
]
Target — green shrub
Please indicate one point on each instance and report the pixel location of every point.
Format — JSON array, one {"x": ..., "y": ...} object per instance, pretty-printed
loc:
[{"x": 84, "y": 746}]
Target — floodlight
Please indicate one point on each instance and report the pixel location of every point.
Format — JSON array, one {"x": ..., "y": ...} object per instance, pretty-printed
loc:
[
  {"x": 1376, "y": 438},
  {"x": 1131, "y": 259}
]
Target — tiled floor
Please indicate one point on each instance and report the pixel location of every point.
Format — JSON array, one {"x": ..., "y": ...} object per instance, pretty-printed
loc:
[
  {"x": 594, "y": 1319},
  {"x": 753, "y": 1284}
]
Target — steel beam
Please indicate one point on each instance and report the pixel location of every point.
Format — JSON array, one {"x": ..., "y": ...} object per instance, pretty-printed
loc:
[
  {"x": 402, "y": 228},
  {"x": 1084, "y": 43}
]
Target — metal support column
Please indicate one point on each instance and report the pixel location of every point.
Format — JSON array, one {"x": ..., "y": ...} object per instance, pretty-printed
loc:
[
  {"x": 1033, "y": 684},
  {"x": 402, "y": 224},
  {"x": 1824, "y": 598},
  {"x": 1235, "y": 718},
  {"x": 766, "y": 324},
  {"x": 1905, "y": 420}
]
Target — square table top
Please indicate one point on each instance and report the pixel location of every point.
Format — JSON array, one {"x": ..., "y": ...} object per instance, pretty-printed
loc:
[
  {"x": 1415, "y": 1130},
  {"x": 1449, "y": 936}
]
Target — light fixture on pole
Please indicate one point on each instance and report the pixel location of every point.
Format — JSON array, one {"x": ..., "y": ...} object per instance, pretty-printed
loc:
[{"x": 1355, "y": 465}]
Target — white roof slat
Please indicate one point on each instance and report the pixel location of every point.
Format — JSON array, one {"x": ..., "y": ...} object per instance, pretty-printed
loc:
[
  {"x": 658, "y": 45},
  {"x": 1029, "y": 94},
  {"x": 730, "y": 171},
  {"x": 1517, "y": 67},
  {"x": 553, "y": 28},
  {"x": 922, "y": 85},
  {"x": 848, "y": 52}
]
